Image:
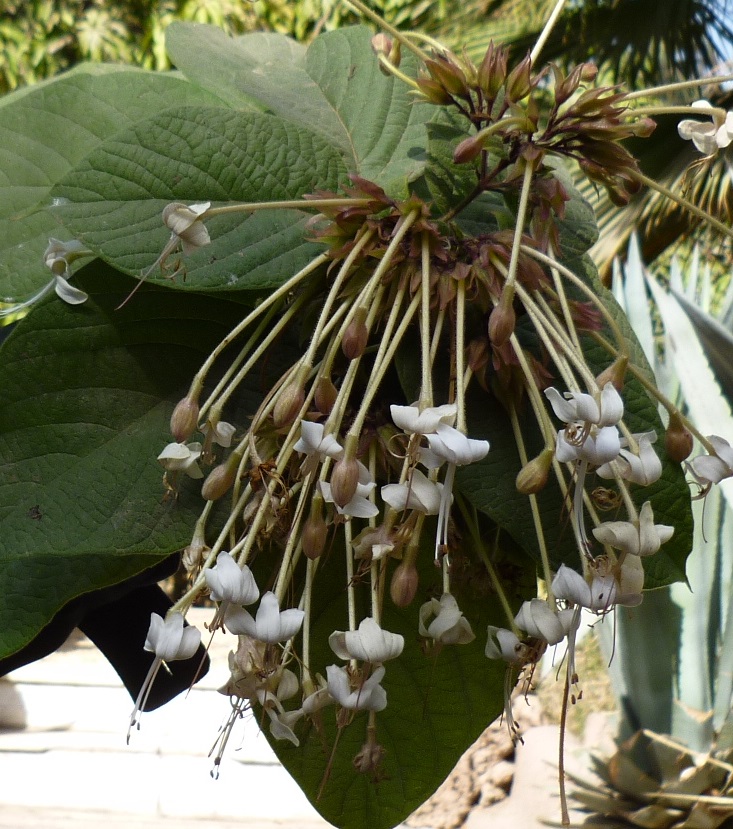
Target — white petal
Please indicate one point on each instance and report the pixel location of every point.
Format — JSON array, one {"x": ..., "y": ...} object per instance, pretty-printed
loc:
[
  {"x": 69, "y": 294},
  {"x": 564, "y": 409},
  {"x": 571, "y": 586},
  {"x": 723, "y": 450},
  {"x": 538, "y": 619},
  {"x": 612, "y": 406},
  {"x": 566, "y": 452},
  {"x": 291, "y": 620},
  {"x": 622, "y": 535},
  {"x": 602, "y": 447},
  {"x": 412, "y": 421},
  {"x": 502, "y": 644},
  {"x": 311, "y": 435}
]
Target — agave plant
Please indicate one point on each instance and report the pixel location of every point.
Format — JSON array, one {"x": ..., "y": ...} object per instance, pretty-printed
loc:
[{"x": 672, "y": 656}]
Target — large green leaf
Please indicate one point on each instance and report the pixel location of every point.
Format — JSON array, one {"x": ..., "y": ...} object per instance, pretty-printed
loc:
[
  {"x": 45, "y": 131},
  {"x": 114, "y": 198},
  {"x": 87, "y": 396},
  {"x": 334, "y": 88}
]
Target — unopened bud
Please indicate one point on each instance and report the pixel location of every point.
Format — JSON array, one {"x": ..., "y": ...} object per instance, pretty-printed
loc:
[
  {"x": 403, "y": 586},
  {"x": 502, "y": 321},
  {"x": 519, "y": 80},
  {"x": 325, "y": 395},
  {"x": 220, "y": 480},
  {"x": 492, "y": 71},
  {"x": 468, "y": 149},
  {"x": 643, "y": 128},
  {"x": 184, "y": 419},
  {"x": 288, "y": 405},
  {"x": 313, "y": 537},
  {"x": 356, "y": 335},
  {"x": 614, "y": 374},
  {"x": 532, "y": 477},
  {"x": 678, "y": 439},
  {"x": 446, "y": 72},
  {"x": 383, "y": 44},
  {"x": 344, "y": 480}
]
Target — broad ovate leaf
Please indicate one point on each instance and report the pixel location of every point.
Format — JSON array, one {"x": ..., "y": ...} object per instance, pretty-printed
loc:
[
  {"x": 113, "y": 200},
  {"x": 47, "y": 130},
  {"x": 87, "y": 397},
  {"x": 334, "y": 88}
]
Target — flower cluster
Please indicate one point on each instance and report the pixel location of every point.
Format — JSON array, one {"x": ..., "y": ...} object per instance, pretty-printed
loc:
[{"x": 336, "y": 476}]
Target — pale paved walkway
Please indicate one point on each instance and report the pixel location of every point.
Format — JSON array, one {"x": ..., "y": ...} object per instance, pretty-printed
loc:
[{"x": 69, "y": 765}]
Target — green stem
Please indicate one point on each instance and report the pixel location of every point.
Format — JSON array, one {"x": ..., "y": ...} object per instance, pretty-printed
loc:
[
  {"x": 396, "y": 34},
  {"x": 683, "y": 202},
  {"x": 294, "y": 204},
  {"x": 678, "y": 86}
]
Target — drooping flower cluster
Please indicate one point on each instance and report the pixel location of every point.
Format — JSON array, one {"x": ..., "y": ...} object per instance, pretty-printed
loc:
[{"x": 333, "y": 476}]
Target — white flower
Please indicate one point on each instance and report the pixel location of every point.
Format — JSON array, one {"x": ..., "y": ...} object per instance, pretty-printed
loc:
[
  {"x": 182, "y": 457},
  {"x": 711, "y": 469},
  {"x": 598, "y": 596},
  {"x": 708, "y": 137},
  {"x": 417, "y": 493},
  {"x": 538, "y": 619},
  {"x": 606, "y": 411},
  {"x": 228, "y": 582},
  {"x": 359, "y": 506},
  {"x": 591, "y": 434},
  {"x": 58, "y": 257},
  {"x": 451, "y": 445},
  {"x": 313, "y": 443},
  {"x": 270, "y": 625},
  {"x": 413, "y": 421},
  {"x": 185, "y": 224},
  {"x": 504, "y": 644},
  {"x": 373, "y": 543},
  {"x": 443, "y": 621},
  {"x": 220, "y": 433},
  {"x": 369, "y": 643},
  {"x": 369, "y": 696},
  {"x": 644, "y": 468},
  {"x": 169, "y": 640},
  {"x": 596, "y": 449},
  {"x": 641, "y": 537}
]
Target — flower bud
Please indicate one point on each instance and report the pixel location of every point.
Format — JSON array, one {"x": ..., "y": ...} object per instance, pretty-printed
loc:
[
  {"x": 355, "y": 336},
  {"x": 220, "y": 480},
  {"x": 344, "y": 479},
  {"x": 678, "y": 439},
  {"x": 532, "y": 477},
  {"x": 614, "y": 374},
  {"x": 383, "y": 44},
  {"x": 325, "y": 395},
  {"x": 313, "y": 537},
  {"x": 403, "y": 586},
  {"x": 184, "y": 419},
  {"x": 519, "y": 80},
  {"x": 448, "y": 74},
  {"x": 492, "y": 71},
  {"x": 288, "y": 405},
  {"x": 502, "y": 321},
  {"x": 468, "y": 149}
]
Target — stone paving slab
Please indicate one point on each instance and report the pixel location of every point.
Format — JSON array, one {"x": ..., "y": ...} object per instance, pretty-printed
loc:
[
  {"x": 29, "y": 818},
  {"x": 63, "y": 752}
]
